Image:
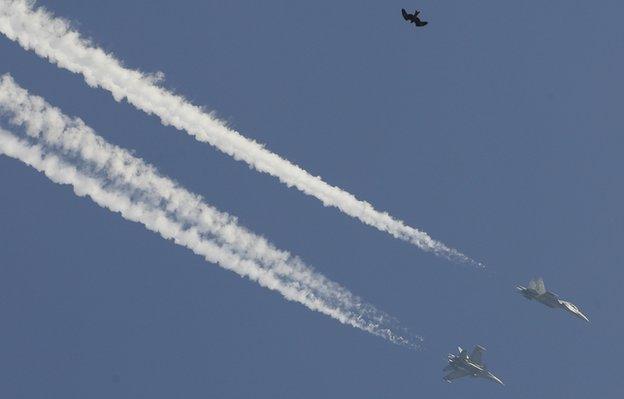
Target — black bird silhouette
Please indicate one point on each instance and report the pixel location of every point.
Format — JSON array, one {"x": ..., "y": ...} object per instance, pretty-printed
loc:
[{"x": 413, "y": 18}]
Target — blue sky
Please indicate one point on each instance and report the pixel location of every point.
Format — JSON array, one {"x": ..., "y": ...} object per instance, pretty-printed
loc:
[{"x": 496, "y": 129}]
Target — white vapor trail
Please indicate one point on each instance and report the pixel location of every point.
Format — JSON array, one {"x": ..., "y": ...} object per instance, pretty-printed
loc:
[
  {"x": 52, "y": 38},
  {"x": 69, "y": 152}
]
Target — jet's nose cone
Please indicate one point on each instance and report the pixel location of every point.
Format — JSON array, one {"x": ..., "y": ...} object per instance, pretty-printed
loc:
[
  {"x": 572, "y": 308},
  {"x": 497, "y": 380},
  {"x": 580, "y": 316},
  {"x": 494, "y": 378}
]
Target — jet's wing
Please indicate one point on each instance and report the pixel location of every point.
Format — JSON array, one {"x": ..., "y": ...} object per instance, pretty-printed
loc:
[
  {"x": 453, "y": 375},
  {"x": 477, "y": 354}
]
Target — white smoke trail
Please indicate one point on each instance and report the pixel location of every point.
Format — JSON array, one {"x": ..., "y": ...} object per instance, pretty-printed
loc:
[
  {"x": 68, "y": 152},
  {"x": 123, "y": 170},
  {"x": 52, "y": 38}
]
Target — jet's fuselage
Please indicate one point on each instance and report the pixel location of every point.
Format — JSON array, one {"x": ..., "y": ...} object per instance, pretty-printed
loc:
[
  {"x": 463, "y": 365},
  {"x": 548, "y": 298},
  {"x": 468, "y": 366},
  {"x": 551, "y": 300}
]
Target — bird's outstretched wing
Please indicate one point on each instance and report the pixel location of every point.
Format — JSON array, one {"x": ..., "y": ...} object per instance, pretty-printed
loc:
[{"x": 406, "y": 16}]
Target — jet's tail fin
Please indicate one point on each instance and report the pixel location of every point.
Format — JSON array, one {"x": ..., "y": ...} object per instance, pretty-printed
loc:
[
  {"x": 462, "y": 352},
  {"x": 537, "y": 284}
]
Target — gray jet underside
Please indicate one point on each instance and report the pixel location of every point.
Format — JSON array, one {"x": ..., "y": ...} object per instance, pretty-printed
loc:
[
  {"x": 464, "y": 365},
  {"x": 537, "y": 291}
]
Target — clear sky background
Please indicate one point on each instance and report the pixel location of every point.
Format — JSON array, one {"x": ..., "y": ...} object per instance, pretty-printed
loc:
[{"x": 498, "y": 129}]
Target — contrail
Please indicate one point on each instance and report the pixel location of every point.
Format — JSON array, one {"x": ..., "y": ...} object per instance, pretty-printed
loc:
[
  {"x": 69, "y": 152},
  {"x": 72, "y": 137},
  {"x": 52, "y": 38}
]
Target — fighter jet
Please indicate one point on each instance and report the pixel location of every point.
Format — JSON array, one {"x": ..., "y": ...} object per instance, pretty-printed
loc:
[
  {"x": 413, "y": 18},
  {"x": 537, "y": 290},
  {"x": 463, "y": 365}
]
